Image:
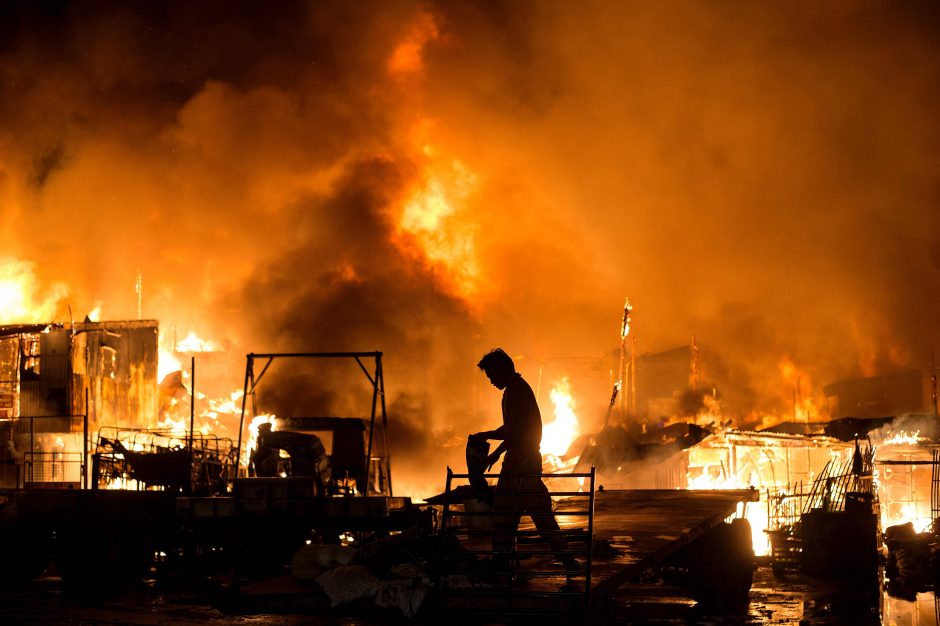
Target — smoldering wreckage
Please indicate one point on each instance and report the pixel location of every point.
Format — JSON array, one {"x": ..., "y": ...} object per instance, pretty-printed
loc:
[{"x": 303, "y": 517}]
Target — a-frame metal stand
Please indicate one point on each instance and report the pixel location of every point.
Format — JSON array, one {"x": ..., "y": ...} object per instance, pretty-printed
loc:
[{"x": 376, "y": 379}]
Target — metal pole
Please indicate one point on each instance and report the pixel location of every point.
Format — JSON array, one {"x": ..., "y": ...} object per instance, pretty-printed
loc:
[
  {"x": 32, "y": 447},
  {"x": 388, "y": 452},
  {"x": 622, "y": 367},
  {"x": 241, "y": 421},
  {"x": 633, "y": 374},
  {"x": 933, "y": 382},
  {"x": 375, "y": 396},
  {"x": 192, "y": 404},
  {"x": 139, "y": 288},
  {"x": 85, "y": 444}
]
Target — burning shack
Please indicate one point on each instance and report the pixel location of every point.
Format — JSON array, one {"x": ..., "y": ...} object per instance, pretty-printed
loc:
[
  {"x": 59, "y": 382},
  {"x": 768, "y": 462}
]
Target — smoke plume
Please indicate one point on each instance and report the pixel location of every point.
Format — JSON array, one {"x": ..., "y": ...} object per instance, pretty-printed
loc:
[{"x": 433, "y": 179}]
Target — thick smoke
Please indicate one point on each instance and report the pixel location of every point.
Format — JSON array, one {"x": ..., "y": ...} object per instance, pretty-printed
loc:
[
  {"x": 763, "y": 177},
  {"x": 759, "y": 176}
]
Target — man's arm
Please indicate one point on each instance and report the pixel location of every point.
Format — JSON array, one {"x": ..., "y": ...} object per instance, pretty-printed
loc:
[
  {"x": 499, "y": 433},
  {"x": 494, "y": 456}
]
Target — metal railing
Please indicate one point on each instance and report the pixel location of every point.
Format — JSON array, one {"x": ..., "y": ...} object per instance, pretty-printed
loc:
[
  {"x": 211, "y": 459},
  {"x": 839, "y": 483},
  {"x": 60, "y": 468},
  {"x": 525, "y": 575},
  {"x": 50, "y": 467}
]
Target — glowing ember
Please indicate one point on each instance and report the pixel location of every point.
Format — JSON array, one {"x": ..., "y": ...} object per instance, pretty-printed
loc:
[{"x": 558, "y": 435}]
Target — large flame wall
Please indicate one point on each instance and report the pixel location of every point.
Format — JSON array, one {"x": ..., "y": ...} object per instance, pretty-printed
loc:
[{"x": 435, "y": 178}]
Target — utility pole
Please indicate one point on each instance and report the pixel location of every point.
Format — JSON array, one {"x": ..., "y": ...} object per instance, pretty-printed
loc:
[
  {"x": 933, "y": 382},
  {"x": 622, "y": 383},
  {"x": 633, "y": 376},
  {"x": 139, "y": 289}
]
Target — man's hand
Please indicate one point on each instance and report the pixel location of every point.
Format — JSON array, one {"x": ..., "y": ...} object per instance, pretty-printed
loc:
[{"x": 491, "y": 460}]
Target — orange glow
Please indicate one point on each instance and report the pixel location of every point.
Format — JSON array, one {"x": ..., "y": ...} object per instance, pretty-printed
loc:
[
  {"x": 95, "y": 314},
  {"x": 431, "y": 218},
  {"x": 558, "y": 435},
  {"x": 167, "y": 363},
  {"x": 177, "y": 427},
  {"x": 754, "y": 512},
  {"x": 20, "y": 300},
  {"x": 252, "y": 442},
  {"x": 227, "y": 406},
  {"x": 902, "y": 438},
  {"x": 798, "y": 383},
  {"x": 193, "y": 343},
  {"x": 407, "y": 57}
]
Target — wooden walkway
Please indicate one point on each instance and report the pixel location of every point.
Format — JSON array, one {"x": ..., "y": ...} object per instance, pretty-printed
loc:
[
  {"x": 633, "y": 530},
  {"x": 645, "y": 527}
]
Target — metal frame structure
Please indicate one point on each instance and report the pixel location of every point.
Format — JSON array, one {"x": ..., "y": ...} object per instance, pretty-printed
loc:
[
  {"x": 376, "y": 379},
  {"x": 211, "y": 457}
]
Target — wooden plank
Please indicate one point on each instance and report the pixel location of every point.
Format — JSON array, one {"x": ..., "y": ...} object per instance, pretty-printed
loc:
[
  {"x": 648, "y": 526},
  {"x": 644, "y": 526}
]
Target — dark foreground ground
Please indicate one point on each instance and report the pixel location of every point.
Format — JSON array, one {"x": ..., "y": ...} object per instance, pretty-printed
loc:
[{"x": 795, "y": 601}]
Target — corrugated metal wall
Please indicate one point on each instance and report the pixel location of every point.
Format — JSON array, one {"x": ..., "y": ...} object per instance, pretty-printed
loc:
[
  {"x": 9, "y": 377},
  {"x": 120, "y": 359},
  {"x": 46, "y": 375}
]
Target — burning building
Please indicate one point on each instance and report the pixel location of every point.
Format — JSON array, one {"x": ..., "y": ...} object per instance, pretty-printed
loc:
[
  {"x": 434, "y": 179},
  {"x": 60, "y": 382},
  {"x": 661, "y": 378}
]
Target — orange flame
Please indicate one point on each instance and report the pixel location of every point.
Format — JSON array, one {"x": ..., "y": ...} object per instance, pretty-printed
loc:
[
  {"x": 903, "y": 438},
  {"x": 252, "y": 442},
  {"x": 193, "y": 343},
  {"x": 431, "y": 219},
  {"x": 797, "y": 380},
  {"x": 167, "y": 363},
  {"x": 558, "y": 435},
  {"x": 20, "y": 301}
]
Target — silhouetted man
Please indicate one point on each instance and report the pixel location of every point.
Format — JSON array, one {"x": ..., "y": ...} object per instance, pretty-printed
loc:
[{"x": 521, "y": 435}]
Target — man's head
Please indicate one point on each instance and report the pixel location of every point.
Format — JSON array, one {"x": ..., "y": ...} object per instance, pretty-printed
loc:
[{"x": 498, "y": 367}]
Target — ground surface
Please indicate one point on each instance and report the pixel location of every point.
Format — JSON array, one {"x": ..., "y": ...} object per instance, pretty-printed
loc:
[{"x": 795, "y": 601}]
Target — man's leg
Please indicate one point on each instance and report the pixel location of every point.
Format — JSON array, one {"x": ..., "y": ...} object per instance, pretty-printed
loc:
[
  {"x": 506, "y": 509},
  {"x": 539, "y": 508}
]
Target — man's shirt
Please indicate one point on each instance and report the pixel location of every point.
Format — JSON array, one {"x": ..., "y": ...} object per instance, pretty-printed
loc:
[{"x": 522, "y": 420}]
